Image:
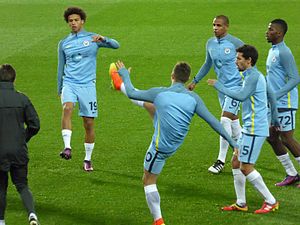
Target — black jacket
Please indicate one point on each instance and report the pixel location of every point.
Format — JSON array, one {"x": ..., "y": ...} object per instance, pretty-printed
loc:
[{"x": 16, "y": 111}]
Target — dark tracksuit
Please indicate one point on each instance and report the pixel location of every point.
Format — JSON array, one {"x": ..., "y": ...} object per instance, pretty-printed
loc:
[{"x": 16, "y": 111}]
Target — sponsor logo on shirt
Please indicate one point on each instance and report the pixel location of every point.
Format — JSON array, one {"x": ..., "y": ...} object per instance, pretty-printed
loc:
[
  {"x": 274, "y": 59},
  {"x": 227, "y": 51},
  {"x": 86, "y": 43}
]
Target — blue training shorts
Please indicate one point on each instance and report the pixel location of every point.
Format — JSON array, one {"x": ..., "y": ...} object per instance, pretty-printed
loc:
[
  {"x": 155, "y": 160},
  {"x": 250, "y": 147},
  {"x": 85, "y": 96},
  {"x": 229, "y": 104},
  {"x": 287, "y": 119}
]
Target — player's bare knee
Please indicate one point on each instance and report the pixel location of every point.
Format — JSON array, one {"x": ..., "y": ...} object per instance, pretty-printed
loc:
[
  {"x": 287, "y": 139},
  {"x": 244, "y": 171},
  {"x": 146, "y": 180},
  {"x": 67, "y": 110},
  {"x": 272, "y": 140},
  {"x": 89, "y": 124},
  {"x": 235, "y": 163}
]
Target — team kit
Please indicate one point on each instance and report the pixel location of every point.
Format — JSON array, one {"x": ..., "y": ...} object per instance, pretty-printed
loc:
[{"x": 268, "y": 113}]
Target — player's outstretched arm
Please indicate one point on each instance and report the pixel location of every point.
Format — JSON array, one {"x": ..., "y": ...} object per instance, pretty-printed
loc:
[
  {"x": 204, "y": 113},
  {"x": 202, "y": 71},
  {"x": 245, "y": 92}
]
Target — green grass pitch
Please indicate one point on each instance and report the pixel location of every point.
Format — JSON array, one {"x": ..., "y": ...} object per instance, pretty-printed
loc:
[{"x": 154, "y": 35}]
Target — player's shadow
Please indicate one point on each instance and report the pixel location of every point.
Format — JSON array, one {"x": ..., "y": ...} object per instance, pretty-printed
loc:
[
  {"x": 118, "y": 183},
  {"x": 49, "y": 214},
  {"x": 123, "y": 179},
  {"x": 129, "y": 175}
]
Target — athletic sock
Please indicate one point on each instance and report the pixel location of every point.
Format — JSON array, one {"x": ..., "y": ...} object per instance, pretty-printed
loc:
[
  {"x": 236, "y": 129},
  {"x": 287, "y": 164},
  {"x": 2, "y": 222},
  {"x": 239, "y": 181},
  {"x": 136, "y": 102},
  {"x": 89, "y": 147},
  {"x": 226, "y": 122},
  {"x": 257, "y": 181},
  {"x": 153, "y": 200},
  {"x": 66, "y": 135}
]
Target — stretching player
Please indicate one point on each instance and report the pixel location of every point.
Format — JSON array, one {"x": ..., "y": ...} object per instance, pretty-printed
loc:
[{"x": 175, "y": 107}]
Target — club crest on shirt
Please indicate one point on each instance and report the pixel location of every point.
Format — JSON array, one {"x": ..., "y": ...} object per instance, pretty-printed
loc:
[
  {"x": 86, "y": 43},
  {"x": 274, "y": 59},
  {"x": 227, "y": 51}
]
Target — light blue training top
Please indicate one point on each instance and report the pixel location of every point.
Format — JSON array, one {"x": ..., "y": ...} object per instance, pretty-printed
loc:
[
  {"x": 255, "y": 99},
  {"x": 175, "y": 107},
  {"x": 77, "y": 57},
  {"x": 221, "y": 53},
  {"x": 282, "y": 75}
]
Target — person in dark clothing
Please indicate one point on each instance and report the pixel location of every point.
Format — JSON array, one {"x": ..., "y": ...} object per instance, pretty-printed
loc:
[{"x": 16, "y": 111}]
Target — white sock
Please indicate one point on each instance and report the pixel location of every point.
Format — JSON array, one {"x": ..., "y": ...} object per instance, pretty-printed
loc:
[
  {"x": 153, "y": 200},
  {"x": 236, "y": 129},
  {"x": 256, "y": 179},
  {"x": 298, "y": 159},
  {"x": 226, "y": 122},
  {"x": 89, "y": 147},
  {"x": 136, "y": 102},
  {"x": 66, "y": 135},
  {"x": 239, "y": 181},
  {"x": 32, "y": 215},
  {"x": 2, "y": 222},
  {"x": 123, "y": 89},
  {"x": 287, "y": 164}
]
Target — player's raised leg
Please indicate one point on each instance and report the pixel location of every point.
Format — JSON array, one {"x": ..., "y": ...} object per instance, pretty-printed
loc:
[
  {"x": 116, "y": 80},
  {"x": 118, "y": 85}
]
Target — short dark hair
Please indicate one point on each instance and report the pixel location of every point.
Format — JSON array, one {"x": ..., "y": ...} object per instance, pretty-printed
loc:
[
  {"x": 74, "y": 10},
  {"x": 224, "y": 18},
  {"x": 182, "y": 71},
  {"x": 283, "y": 25},
  {"x": 7, "y": 73},
  {"x": 249, "y": 51}
]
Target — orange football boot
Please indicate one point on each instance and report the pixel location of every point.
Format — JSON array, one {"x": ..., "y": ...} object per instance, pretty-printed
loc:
[
  {"x": 235, "y": 207},
  {"x": 160, "y": 221},
  {"x": 116, "y": 80},
  {"x": 266, "y": 208}
]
